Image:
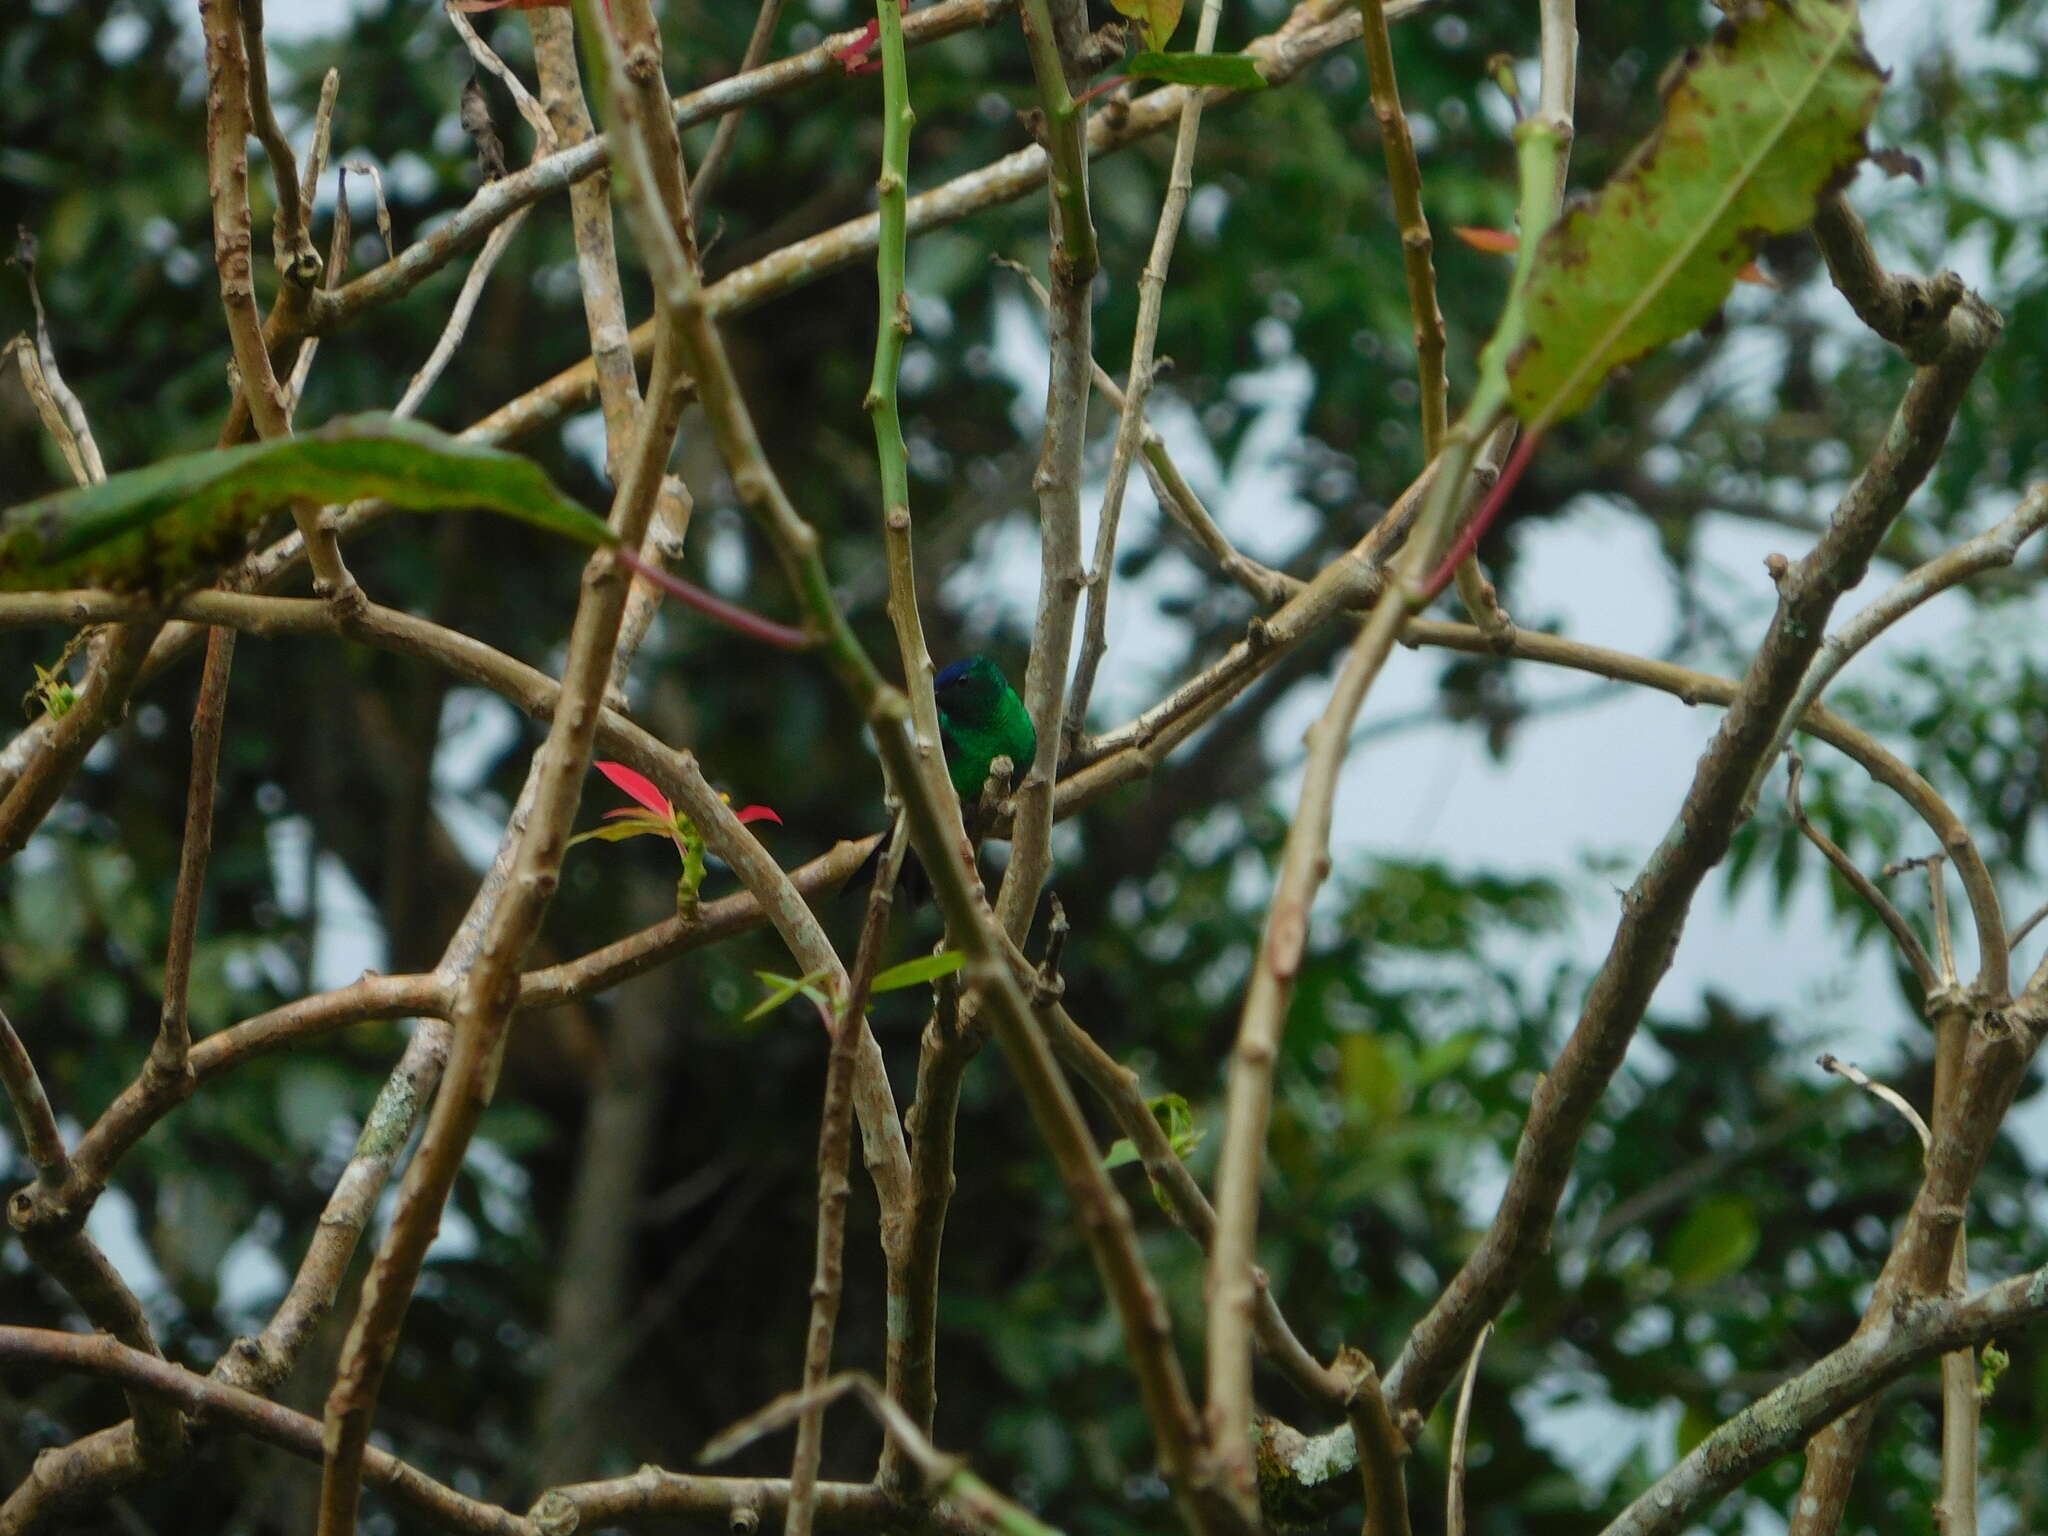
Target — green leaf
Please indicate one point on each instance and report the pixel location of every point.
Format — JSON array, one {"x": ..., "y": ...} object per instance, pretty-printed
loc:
[
  {"x": 1769, "y": 117},
  {"x": 1175, "y": 1118},
  {"x": 1156, "y": 19},
  {"x": 626, "y": 826},
  {"x": 783, "y": 989},
  {"x": 1717, "y": 1238},
  {"x": 176, "y": 521},
  {"x": 911, "y": 972},
  {"x": 1232, "y": 71}
]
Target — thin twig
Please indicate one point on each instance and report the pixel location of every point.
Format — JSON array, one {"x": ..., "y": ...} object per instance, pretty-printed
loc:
[
  {"x": 1910, "y": 948},
  {"x": 1304, "y": 861},
  {"x": 40, "y": 1137},
  {"x": 544, "y": 140},
  {"x": 172, "y": 1052},
  {"x": 1994, "y": 548},
  {"x": 1898, "y": 1101},
  {"x": 945, "y": 1477},
  {"x": 892, "y": 329},
  {"x": 370, "y": 169},
  {"x": 1058, "y": 476},
  {"x": 1404, "y": 182},
  {"x": 62, "y": 411},
  {"x": 712, "y": 166},
  {"x": 1461, "y": 1428},
  {"x": 456, "y": 327},
  {"x": 1131, "y": 410},
  {"x": 2027, "y": 926},
  {"x": 338, "y": 233},
  {"x": 232, "y": 74},
  {"x": 297, "y": 262},
  {"x": 834, "y": 1134}
]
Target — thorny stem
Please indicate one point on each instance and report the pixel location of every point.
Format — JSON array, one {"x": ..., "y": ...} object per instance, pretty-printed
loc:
[{"x": 913, "y": 1265}]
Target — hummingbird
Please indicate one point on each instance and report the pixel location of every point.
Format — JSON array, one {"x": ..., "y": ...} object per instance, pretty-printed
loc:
[{"x": 981, "y": 718}]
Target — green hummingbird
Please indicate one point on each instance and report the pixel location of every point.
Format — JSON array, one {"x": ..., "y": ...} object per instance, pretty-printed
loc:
[{"x": 981, "y": 718}]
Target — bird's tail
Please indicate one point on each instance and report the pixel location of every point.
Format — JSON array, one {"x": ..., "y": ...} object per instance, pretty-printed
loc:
[{"x": 913, "y": 884}]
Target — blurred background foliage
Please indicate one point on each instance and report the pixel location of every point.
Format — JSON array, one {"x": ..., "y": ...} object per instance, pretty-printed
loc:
[{"x": 1728, "y": 1213}]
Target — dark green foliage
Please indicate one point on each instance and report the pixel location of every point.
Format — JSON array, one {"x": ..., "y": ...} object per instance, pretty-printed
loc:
[{"x": 1432, "y": 995}]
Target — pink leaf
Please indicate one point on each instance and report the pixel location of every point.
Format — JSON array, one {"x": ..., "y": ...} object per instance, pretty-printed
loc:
[
  {"x": 749, "y": 813},
  {"x": 639, "y": 786}
]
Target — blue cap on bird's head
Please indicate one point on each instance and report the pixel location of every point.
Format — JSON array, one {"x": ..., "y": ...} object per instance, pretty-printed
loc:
[{"x": 967, "y": 682}]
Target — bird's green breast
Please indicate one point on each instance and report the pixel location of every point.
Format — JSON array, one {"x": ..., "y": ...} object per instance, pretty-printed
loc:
[{"x": 972, "y": 744}]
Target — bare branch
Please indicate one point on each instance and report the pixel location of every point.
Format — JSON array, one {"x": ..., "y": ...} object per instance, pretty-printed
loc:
[
  {"x": 297, "y": 262},
  {"x": 1566, "y": 1096},
  {"x": 1381, "y": 1448},
  {"x": 1776, "y": 1424},
  {"x": 1908, "y": 942},
  {"x": 40, "y": 1137},
  {"x": 946, "y": 1477},
  {"x": 171, "y": 1055},
  {"x": 1130, "y": 426},
  {"x": 62, "y": 412}
]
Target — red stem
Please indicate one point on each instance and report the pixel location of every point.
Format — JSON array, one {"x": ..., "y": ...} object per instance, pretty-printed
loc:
[
  {"x": 748, "y": 623},
  {"x": 1482, "y": 519},
  {"x": 1100, "y": 87}
]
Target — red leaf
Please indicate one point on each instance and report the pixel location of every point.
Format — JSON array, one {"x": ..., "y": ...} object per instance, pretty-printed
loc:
[
  {"x": 747, "y": 813},
  {"x": 854, "y": 56},
  {"x": 640, "y": 787},
  {"x": 1496, "y": 241}
]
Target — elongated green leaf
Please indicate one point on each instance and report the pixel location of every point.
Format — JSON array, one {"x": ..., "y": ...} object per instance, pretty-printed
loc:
[
  {"x": 1233, "y": 71},
  {"x": 175, "y": 522},
  {"x": 625, "y": 827},
  {"x": 784, "y": 988},
  {"x": 1768, "y": 117},
  {"x": 911, "y": 972}
]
